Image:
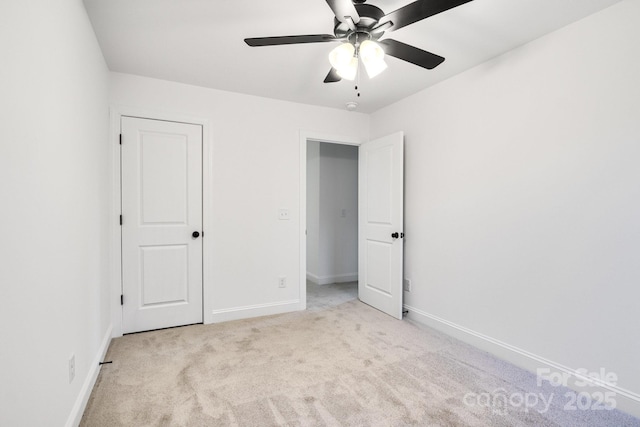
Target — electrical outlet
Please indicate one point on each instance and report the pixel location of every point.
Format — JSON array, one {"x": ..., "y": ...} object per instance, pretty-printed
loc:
[
  {"x": 282, "y": 282},
  {"x": 72, "y": 368},
  {"x": 407, "y": 285},
  {"x": 283, "y": 214}
]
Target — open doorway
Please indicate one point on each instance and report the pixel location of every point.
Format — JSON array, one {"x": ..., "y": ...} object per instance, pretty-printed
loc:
[
  {"x": 332, "y": 224},
  {"x": 380, "y": 232}
]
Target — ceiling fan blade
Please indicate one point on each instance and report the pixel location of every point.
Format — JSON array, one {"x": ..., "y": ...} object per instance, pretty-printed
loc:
[
  {"x": 417, "y": 11},
  {"x": 333, "y": 76},
  {"x": 412, "y": 54},
  {"x": 344, "y": 9},
  {"x": 274, "y": 41}
]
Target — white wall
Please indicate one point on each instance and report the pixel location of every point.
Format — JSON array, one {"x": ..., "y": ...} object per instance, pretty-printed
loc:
[
  {"x": 256, "y": 171},
  {"x": 54, "y": 193},
  {"x": 523, "y": 197},
  {"x": 521, "y": 190},
  {"x": 313, "y": 209}
]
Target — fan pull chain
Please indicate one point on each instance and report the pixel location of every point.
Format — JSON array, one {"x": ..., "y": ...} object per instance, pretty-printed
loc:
[
  {"x": 357, "y": 69},
  {"x": 357, "y": 82}
]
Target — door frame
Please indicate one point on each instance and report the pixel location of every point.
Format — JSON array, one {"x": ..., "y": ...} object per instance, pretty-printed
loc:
[
  {"x": 115, "y": 238},
  {"x": 306, "y": 136}
]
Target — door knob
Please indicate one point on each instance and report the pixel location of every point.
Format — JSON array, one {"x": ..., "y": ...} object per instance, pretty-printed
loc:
[
  {"x": 395, "y": 235},
  {"x": 195, "y": 234}
]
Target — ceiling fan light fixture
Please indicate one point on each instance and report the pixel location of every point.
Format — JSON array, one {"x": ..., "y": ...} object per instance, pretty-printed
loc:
[
  {"x": 375, "y": 67},
  {"x": 354, "y": 23},
  {"x": 372, "y": 57},
  {"x": 341, "y": 56},
  {"x": 349, "y": 71}
]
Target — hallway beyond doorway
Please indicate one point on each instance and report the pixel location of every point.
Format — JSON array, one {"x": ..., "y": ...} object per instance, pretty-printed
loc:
[{"x": 320, "y": 297}]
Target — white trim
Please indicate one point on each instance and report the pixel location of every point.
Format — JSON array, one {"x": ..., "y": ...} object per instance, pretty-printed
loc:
[
  {"x": 304, "y": 137},
  {"x": 207, "y": 220},
  {"x": 327, "y": 280},
  {"x": 87, "y": 387},
  {"x": 114, "y": 232},
  {"x": 520, "y": 357},
  {"x": 116, "y": 112},
  {"x": 257, "y": 310}
]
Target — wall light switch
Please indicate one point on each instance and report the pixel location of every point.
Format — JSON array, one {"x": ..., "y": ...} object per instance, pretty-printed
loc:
[{"x": 283, "y": 214}]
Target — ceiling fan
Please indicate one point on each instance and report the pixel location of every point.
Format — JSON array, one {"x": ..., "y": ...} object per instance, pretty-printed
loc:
[{"x": 360, "y": 27}]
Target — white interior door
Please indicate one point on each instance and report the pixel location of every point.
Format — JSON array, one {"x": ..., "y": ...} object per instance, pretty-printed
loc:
[
  {"x": 381, "y": 179},
  {"x": 161, "y": 224}
]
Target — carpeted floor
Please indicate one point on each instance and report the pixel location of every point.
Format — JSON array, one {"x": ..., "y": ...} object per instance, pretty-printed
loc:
[
  {"x": 327, "y": 296},
  {"x": 331, "y": 365}
]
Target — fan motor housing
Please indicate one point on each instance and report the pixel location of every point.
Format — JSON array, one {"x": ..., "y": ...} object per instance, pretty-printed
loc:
[{"x": 369, "y": 17}]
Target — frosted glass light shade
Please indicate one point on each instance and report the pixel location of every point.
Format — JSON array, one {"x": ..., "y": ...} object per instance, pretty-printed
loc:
[
  {"x": 375, "y": 67},
  {"x": 372, "y": 57},
  {"x": 349, "y": 72},
  {"x": 341, "y": 56}
]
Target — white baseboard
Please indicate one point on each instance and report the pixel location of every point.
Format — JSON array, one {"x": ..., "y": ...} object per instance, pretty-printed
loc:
[
  {"x": 248, "y": 311},
  {"x": 336, "y": 278},
  {"x": 626, "y": 400},
  {"x": 87, "y": 387}
]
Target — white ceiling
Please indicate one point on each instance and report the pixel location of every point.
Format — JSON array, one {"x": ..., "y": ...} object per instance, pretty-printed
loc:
[{"x": 200, "y": 42}]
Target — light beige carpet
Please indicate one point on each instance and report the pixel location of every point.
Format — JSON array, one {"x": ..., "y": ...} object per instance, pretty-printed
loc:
[
  {"x": 347, "y": 365},
  {"x": 322, "y": 297}
]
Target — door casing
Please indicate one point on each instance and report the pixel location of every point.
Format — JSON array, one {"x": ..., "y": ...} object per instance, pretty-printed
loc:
[
  {"x": 115, "y": 242},
  {"x": 306, "y": 136}
]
